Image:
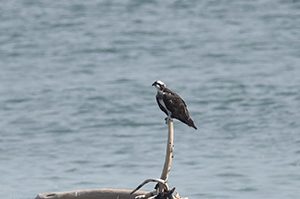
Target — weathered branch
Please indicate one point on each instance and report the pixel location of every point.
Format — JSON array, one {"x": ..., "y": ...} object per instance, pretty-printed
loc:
[
  {"x": 92, "y": 194},
  {"x": 159, "y": 181},
  {"x": 169, "y": 151},
  {"x": 162, "y": 191}
]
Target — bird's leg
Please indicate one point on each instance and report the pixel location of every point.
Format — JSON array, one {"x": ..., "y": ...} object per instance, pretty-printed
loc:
[{"x": 168, "y": 118}]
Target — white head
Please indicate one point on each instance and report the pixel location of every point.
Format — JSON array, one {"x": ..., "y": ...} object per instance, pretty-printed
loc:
[{"x": 159, "y": 85}]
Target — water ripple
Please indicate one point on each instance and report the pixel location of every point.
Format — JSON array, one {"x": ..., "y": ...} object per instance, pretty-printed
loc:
[{"x": 77, "y": 103}]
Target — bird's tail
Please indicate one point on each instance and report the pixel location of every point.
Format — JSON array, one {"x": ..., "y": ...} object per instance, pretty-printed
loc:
[{"x": 190, "y": 123}]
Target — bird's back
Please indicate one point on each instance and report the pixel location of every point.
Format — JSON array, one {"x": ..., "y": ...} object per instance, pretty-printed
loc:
[{"x": 177, "y": 106}]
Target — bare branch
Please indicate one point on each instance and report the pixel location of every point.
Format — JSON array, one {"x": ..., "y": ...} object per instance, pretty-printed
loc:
[{"x": 159, "y": 181}]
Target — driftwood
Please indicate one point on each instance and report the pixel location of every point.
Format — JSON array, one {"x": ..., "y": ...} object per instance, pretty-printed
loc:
[
  {"x": 92, "y": 194},
  {"x": 169, "y": 151},
  {"x": 162, "y": 189}
]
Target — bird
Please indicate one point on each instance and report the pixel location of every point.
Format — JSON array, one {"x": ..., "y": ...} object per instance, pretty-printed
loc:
[{"x": 172, "y": 104}]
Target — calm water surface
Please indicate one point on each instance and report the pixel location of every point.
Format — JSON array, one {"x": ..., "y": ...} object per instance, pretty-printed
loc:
[{"x": 78, "y": 111}]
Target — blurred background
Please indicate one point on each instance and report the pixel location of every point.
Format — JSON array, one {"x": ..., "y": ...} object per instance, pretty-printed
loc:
[{"x": 78, "y": 111}]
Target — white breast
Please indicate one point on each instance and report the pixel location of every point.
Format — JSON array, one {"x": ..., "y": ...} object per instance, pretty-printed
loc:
[{"x": 161, "y": 101}]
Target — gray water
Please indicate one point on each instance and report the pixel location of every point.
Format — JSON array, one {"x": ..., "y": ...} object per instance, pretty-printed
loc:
[{"x": 78, "y": 111}]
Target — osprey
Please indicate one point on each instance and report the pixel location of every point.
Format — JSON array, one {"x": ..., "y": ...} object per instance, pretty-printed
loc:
[{"x": 172, "y": 104}]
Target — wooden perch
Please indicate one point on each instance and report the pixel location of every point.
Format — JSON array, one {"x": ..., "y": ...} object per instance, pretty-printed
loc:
[
  {"x": 162, "y": 190},
  {"x": 162, "y": 187},
  {"x": 169, "y": 152}
]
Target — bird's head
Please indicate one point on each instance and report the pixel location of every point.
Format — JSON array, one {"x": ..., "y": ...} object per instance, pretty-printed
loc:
[{"x": 159, "y": 85}]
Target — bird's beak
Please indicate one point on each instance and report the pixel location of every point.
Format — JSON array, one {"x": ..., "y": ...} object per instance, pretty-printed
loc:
[{"x": 153, "y": 84}]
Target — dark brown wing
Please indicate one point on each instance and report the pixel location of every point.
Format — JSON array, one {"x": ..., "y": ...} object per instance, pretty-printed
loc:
[
  {"x": 176, "y": 105},
  {"x": 178, "y": 108}
]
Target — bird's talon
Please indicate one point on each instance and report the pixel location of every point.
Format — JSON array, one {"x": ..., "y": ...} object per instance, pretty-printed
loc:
[{"x": 166, "y": 120}]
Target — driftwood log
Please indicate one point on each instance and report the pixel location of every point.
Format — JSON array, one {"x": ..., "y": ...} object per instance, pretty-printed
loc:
[
  {"x": 92, "y": 194},
  {"x": 162, "y": 188}
]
